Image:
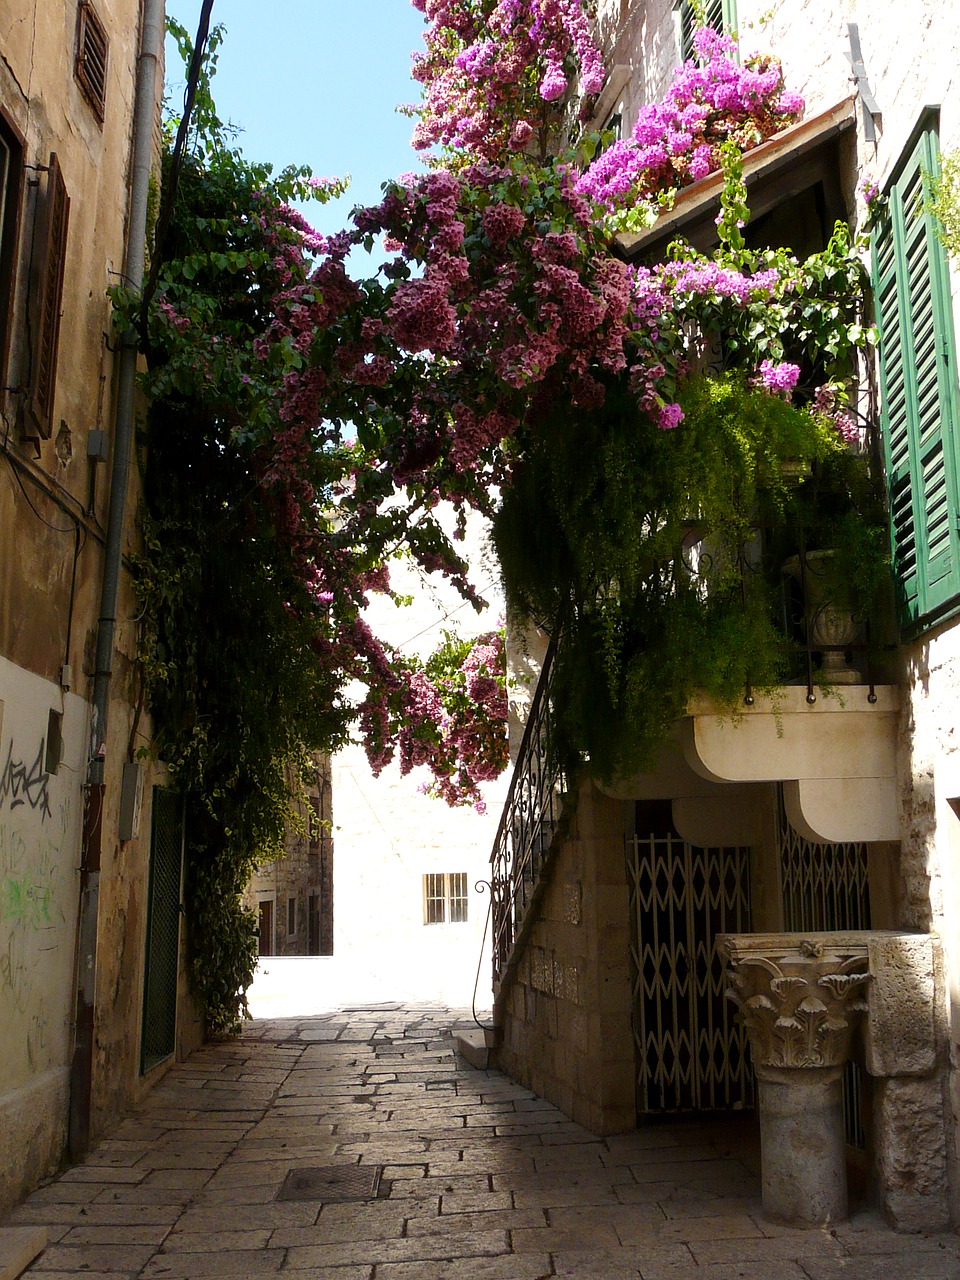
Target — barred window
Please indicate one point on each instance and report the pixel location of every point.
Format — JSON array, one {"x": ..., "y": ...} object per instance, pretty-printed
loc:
[{"x": 445, "y": 897}]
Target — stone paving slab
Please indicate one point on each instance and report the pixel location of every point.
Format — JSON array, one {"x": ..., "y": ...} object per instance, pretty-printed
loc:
[{"x": 481, "y": 1179}]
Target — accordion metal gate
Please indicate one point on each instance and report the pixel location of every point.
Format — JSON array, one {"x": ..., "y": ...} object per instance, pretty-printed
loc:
[
  {"x": 691, "y": 1049},
  {"x": 825, "y": 887}
]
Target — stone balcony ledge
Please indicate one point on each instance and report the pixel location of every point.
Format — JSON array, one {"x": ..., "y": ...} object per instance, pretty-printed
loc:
[{"x": 836, "y": 758}]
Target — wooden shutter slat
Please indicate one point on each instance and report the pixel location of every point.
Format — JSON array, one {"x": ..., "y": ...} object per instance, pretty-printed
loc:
[
  {"x": 90, "y": 66},
  {"x": 51, "y": 263}
]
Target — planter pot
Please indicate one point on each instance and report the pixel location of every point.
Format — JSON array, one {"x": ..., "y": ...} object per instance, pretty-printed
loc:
[{"x": 830, "y": 628}]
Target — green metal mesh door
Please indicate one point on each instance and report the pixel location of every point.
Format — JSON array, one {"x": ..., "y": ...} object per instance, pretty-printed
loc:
[{"x": 163, "y": 930}]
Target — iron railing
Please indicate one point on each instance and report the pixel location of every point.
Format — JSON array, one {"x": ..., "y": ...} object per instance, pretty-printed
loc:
[{"x": 528, "y": 825}]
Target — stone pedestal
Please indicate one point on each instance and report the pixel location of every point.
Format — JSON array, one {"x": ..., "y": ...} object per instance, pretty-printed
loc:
[
  {"x": 801, "y": 997},
  {"x": 801, "y": 1135}
]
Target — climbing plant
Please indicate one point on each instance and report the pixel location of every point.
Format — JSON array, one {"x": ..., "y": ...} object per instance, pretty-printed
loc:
[{"x": 306, "y": 422}]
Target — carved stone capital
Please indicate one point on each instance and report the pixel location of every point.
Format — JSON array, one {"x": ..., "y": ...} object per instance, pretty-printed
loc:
[{"x": 800, "y": 997}]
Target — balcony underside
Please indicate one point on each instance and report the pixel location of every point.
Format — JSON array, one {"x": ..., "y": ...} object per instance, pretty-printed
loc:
[{"x": 836, "y": 758}]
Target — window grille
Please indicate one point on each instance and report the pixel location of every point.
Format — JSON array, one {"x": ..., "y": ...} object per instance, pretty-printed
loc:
[
  {"x": 90, "y": 66},
  {"x": 445, "y": 897},
  {"x": 825, "y": 887},
  {"x": 458, "y": 897}
]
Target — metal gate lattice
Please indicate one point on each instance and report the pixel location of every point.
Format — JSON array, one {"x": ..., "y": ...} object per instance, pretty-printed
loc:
[
  {"x": 691, "y": 1048},
  {"x": 158, "y": 1039},
  {"x": 825, "y": 887}
]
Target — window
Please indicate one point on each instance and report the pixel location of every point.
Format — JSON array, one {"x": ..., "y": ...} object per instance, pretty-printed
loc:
[
  {"x": 11, "y": 186},
  {"x": 918, "y": 388},
  {"x": 54, "y": 742},
  {"x": 445, "y": 897},
  {"x": 690, "y": 15},
  {"x": 291, "y": 916},
  {"x": 50, "y": 252},
  {"x": 90, "y": 65}
]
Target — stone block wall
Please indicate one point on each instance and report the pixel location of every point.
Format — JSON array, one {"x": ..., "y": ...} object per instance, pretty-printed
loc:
[{"x": 565, "y": 1011}]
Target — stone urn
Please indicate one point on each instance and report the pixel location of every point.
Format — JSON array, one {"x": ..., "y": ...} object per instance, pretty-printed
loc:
[
  {"x": 830, "y": 628},
  {"x": 801, "y": 998}
]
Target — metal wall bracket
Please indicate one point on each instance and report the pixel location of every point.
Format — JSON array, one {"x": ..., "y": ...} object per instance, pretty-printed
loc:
[{"x": 871, "y": 108}]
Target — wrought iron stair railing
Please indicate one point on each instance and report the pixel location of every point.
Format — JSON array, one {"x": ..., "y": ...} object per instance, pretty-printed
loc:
[{"x": 529, "y": 824}]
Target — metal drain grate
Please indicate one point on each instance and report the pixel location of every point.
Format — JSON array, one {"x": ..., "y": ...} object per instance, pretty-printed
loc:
[{"x": 332, "y": 1183}]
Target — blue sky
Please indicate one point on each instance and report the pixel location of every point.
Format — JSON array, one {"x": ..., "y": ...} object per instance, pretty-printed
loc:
[{"x": 316, "y": 82}]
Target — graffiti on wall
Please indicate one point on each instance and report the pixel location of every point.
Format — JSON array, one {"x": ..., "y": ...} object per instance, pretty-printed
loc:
[
  {"x": 34, "y": 928},
  {"x": 23, "y": 784}
]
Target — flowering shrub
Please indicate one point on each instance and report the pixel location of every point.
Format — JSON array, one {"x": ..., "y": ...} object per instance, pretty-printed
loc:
[
  {"x": 493, "y": 70},
  {"x": 449, "y": 714},
  {"x": 304, "y": 426},
  {"x": 712, "y": 100}
]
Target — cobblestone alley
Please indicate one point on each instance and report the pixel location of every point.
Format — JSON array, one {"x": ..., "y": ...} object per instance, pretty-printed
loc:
[{"x": 238, "y": 1165}]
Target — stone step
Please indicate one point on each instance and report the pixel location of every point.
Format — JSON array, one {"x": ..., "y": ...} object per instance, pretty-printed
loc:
[
  {"x": 18, "y": 1248},
  {"x": 478, "y": 1046}
]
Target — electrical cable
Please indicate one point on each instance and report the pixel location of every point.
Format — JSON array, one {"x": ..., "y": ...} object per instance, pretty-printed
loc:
[
  {"x": 168, "y": 201},
  {"x": 55, "y": 528},
  {"x": 445, "y": 617},
  {"x": 48, "y": 487}
]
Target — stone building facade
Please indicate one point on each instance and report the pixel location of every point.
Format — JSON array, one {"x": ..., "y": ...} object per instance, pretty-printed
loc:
[
  {"x": 293, "y": 894},
  {"x": 807, "y": 815},
  {"x": 92, "y": 999}
]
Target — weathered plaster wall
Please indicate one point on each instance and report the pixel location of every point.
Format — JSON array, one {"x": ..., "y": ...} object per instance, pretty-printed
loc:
[
  {"x": 565, "y": 1012},
  {"x": 53, "y": 513},
  {"x": 40, "y": 821}
]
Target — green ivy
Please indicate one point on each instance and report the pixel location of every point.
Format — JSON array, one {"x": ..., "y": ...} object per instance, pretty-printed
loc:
[{"x": 591, "y": 539}]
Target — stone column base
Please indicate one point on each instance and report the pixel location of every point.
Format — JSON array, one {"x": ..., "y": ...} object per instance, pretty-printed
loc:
[{"x": 801, "y": 1135}]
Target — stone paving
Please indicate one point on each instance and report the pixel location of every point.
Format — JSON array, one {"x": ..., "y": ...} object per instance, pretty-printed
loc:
[{"x": 481, "y": 1180}]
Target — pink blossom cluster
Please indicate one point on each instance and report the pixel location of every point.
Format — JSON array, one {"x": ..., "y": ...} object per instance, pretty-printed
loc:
[
  {"x": 868, "y": 190},
  {"x": 828, "y": 403},
  {"x": 778, "y": 376},
  {"x": 448, "y": 714},
  {"x": 674, "y": 142},
  {"x": 491, "y": 69}
]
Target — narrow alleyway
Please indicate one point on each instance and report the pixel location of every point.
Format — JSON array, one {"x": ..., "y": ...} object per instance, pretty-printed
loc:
[{"x": 478, "y": 1178}]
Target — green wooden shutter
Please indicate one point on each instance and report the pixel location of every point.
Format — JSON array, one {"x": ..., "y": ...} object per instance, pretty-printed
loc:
[
  {"x": 918, "y": 384},
  {"x": 719, "y": 14}
]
